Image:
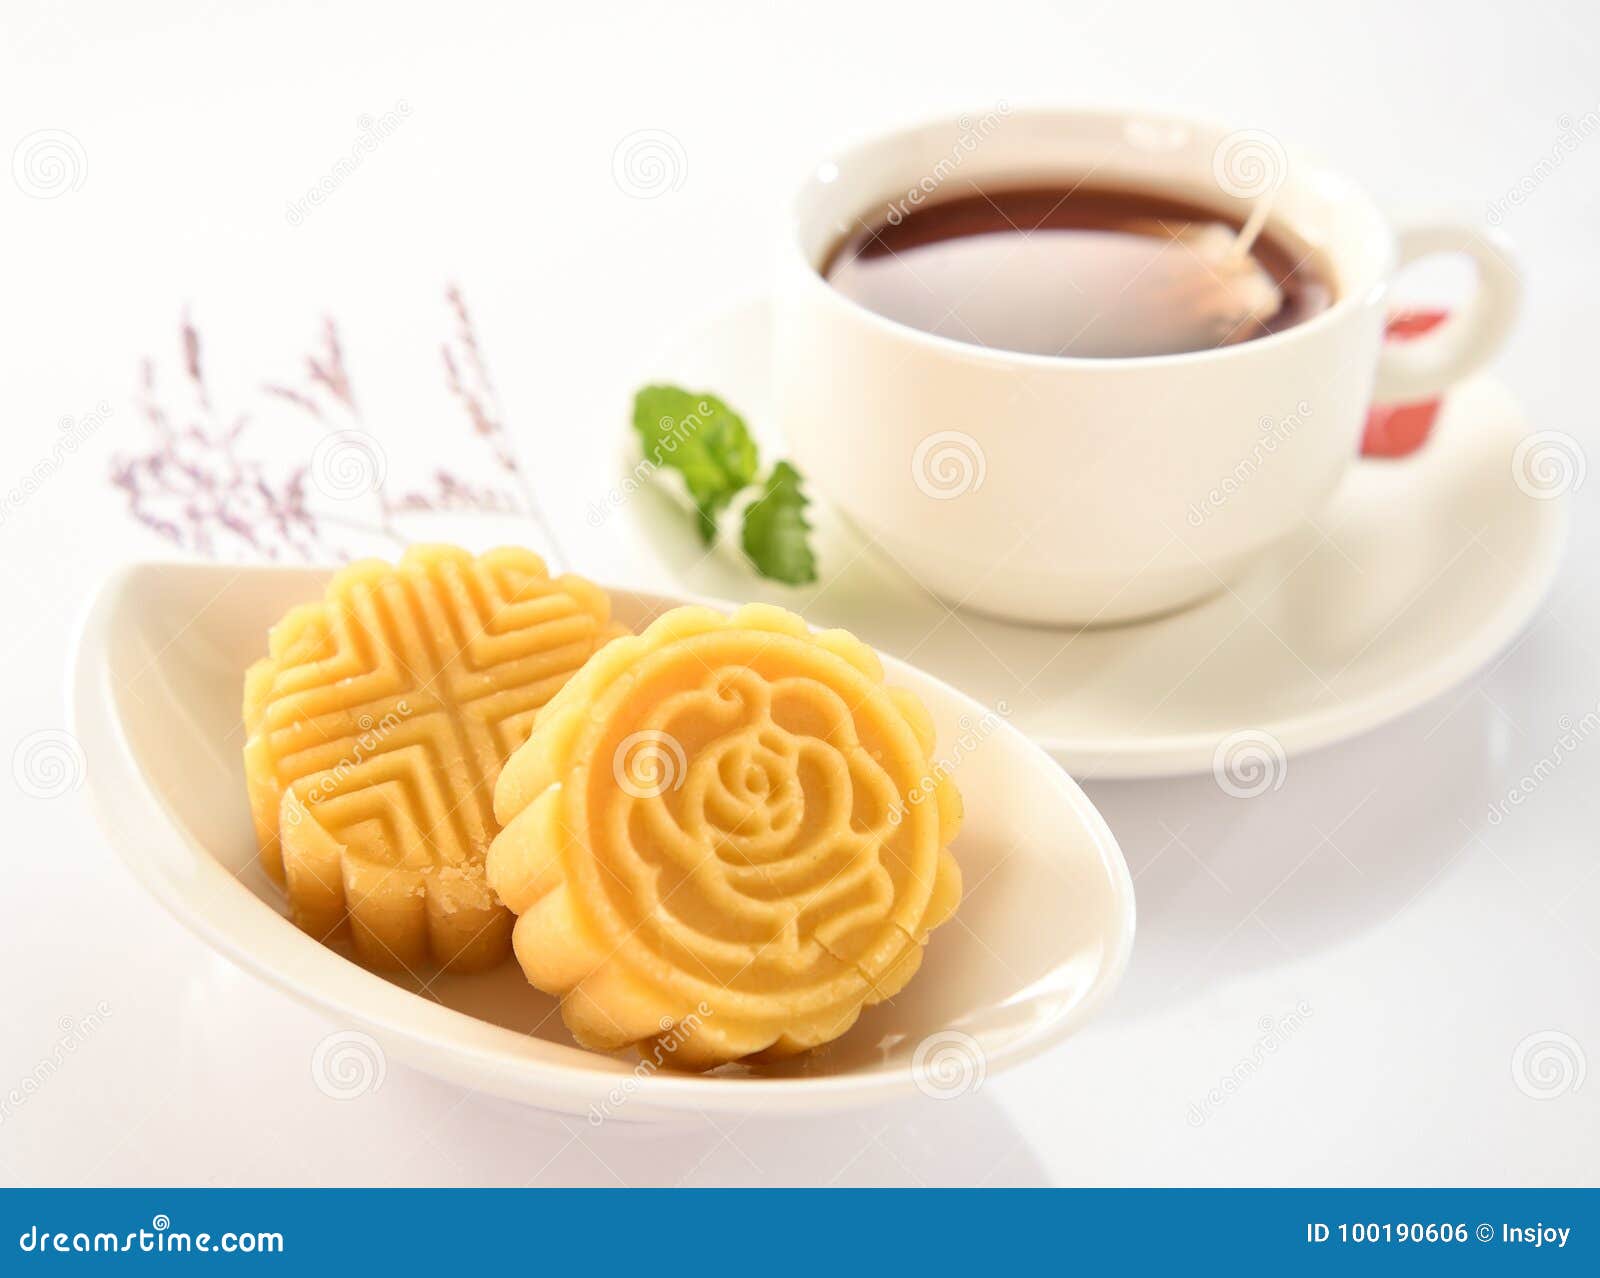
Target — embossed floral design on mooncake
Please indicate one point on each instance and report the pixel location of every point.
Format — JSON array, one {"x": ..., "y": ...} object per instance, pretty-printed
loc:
[{"x": 726, "y": 834}]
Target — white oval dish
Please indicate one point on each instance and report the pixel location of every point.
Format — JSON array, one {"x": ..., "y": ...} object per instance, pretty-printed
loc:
[{"x": 1041, "y": 938}]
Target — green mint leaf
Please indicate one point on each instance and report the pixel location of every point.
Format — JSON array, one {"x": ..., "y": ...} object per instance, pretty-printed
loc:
[
  {"x": 775, "y": 530},
  {"x": 701, "y": 438}
]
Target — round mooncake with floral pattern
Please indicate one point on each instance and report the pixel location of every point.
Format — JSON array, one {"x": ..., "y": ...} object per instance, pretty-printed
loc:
[{"x": 724, "y": 838}]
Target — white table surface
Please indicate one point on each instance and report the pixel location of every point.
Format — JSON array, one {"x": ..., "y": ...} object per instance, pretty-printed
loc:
[{"x": 1425, "y": 942}]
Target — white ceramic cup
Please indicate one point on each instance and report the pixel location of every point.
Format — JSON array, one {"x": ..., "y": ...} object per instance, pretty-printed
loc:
[{"x": 1083, "y": 491}]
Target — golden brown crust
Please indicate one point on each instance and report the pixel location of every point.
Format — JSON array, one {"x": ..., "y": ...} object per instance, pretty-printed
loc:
[
  {"x": 724, "y": 837},
  {"x": 376, "y": 728}
]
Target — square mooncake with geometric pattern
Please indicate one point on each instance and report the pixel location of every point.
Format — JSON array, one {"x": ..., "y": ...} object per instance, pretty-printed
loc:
[{"x": 377, "y": 727}]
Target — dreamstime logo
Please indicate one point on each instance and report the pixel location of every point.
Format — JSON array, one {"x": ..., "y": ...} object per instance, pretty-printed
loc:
[
  {"x": 373, "y": 132},
  {"x": 1273, "y": 432},
  {"x": 674, "y": 1034},
  {"x": 676, "y": 431},
  {"x": 949, "y": 1064},
  {"x": 74, "y": 1032},
  {"x": 647, "y": 764},
  {"x": 371, "y": 734},
  {"x": 1275, "y": 1032},
  {"x": 48, "y": 164},
  {"x": 1573, "y": 735},
  {"x": 649, "y": 163},
  {"x": 1548, "y": 1064},
  {"x": 949, "y": 464},
  {"x": 48, "y": 763},
  {"x": 72, "y": 434},
  {"x": 348, "y": 1064},
  {"x": 1248, "y": 763},
  {"x": 1249, "y": 163},
  {"x": 1548, "y": 464},
  {"x": 967, "y": 141},
  {"x": 160, "y": 1239},
  {"x": 348, "y": 464},
  {"x": 968, "y": 739},
  {"x": 1570, "y": 135}
]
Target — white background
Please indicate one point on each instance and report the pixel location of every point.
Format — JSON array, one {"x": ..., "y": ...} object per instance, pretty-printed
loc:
[{"x": 1426, "y": 943}]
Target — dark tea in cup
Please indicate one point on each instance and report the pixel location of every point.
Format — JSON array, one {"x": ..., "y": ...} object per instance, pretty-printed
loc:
[{"x": 1078, "y": 270}]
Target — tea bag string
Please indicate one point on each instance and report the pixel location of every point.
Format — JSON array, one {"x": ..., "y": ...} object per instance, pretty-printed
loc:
[{"x": 1251, "y": 230}]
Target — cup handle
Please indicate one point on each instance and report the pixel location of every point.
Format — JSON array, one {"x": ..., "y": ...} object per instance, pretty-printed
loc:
[{"x": 1425, "y": 367}]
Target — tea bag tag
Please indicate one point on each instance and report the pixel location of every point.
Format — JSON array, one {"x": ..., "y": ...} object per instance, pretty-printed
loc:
[{"x": 1246, "y": 292}]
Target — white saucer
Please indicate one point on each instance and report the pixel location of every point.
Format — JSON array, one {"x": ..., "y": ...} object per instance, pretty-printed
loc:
[
  {"x": 1041, "y": 938},
  {"x": 1416, "y": 574}
]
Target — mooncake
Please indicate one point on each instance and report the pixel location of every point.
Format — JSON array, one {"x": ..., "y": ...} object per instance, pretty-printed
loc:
[
  {"x": 724, "y": 838},
  {"x": 376, "y": 729}
]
